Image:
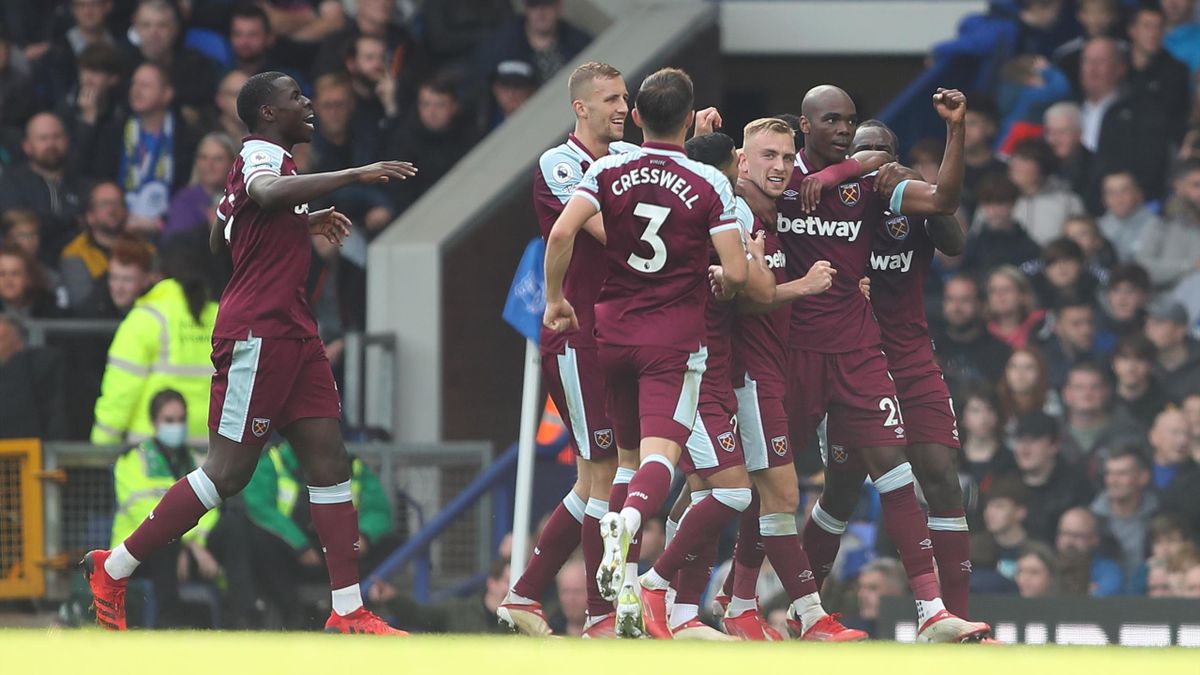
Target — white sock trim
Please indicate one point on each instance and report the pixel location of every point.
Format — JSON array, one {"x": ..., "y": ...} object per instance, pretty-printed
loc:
[
  {"x": 624, "y": 475},
  {"x": 332, "y": 494},
  {"x": 948, "y": 524},
  {"x": 654, "y": 581},
  {"x": 120, "y": 563},
  {"x": 204, "y": 488},
  {"x": 807, "y": 608},
  {"x": 739, "y": 606},
  {"x": 347, "y": 600},
  {"x": 595, "y": 508},
  {"x": 926, "y": 609},
  {"x": 659, "y": 459},
  {"x": 683, "y": 613},
  {"x": 575, "y": 506},
  {"x": 671, "y": 528},
  {"x": 697, "y": 496},
  {"x": 827, "y": 522},
  {"x": 778, "y": 525},
  {"x": 895, "y": 479},
  {"x": 737, "y": 499}
]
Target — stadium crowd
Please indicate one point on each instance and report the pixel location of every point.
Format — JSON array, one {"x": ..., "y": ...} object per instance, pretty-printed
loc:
[{"x": 1066, "y": 331}]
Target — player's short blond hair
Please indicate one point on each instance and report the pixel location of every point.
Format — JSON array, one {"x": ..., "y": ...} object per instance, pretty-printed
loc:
[
  {"x": 587, "y": 73},
  {"x": 765, "y": 125}
]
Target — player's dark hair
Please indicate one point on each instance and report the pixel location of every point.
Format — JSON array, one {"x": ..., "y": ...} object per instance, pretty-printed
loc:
[
  {"x": 1136, "y": 346},
  {"x": 1062, "y": 249},
  {"x": 715, "y": 149},
  {"x": 186, "y": 266},
  {"x": 793, "y": 121},
  {"x": 249, "y": 10},
  {"x": 664, "y": 101},
  {"x": 254, "y": 95},
  {"x": 162, "y": 398},
  {"x": 878, "y": 124}
]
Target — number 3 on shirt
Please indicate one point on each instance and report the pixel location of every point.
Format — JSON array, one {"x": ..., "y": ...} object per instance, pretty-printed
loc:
[{"x": 657, "y": 215}]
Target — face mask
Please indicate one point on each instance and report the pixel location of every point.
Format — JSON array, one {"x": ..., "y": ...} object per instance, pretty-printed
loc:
[{"x": 172, "y": 434}]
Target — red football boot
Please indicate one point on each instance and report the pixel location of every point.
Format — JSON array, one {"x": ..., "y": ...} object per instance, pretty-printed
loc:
[
  {"x": 829, "y": 629},
  {"x": 750, "y": 626},
  {"x": 603, "y": 629},
  {"x": 108, "y": 594},
  {"x": 654, "y": 612},
  {"x": 360, "y": 622}
]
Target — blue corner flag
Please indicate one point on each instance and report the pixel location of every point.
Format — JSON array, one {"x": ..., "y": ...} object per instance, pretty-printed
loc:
[{"x": 527, "y": 298}]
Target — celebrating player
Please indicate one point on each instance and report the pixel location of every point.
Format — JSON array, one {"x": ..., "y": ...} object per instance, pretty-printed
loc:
[
  {"x": 570, "y": 364},
  {"x": 271, "y": 368},
  {"x": 836, "y": 364},
  {"x": 660, "y": 210},
  {"x": 901, "y": 256}
]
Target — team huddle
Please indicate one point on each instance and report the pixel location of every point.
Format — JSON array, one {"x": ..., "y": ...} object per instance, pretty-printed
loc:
[{"x": 707, "y": 308}]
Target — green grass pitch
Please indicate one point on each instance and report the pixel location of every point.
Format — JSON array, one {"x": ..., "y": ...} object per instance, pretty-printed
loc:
[{"x": 88, "y": 652}]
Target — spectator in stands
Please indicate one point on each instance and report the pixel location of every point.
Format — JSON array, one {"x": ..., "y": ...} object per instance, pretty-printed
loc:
[
  {"x": 156, "y": 33},
  {"x": 473, "y": 614},
  {"x": 251, "y": 40},
  {"x": 1183, "y": 33},
  {"x": 1038, "y": 571},
  {"x": 925, "y": 157},
  {"x": 1126, "y": 215},
  {"x": 24, "y": 291},
  {"x": 92, "y": 111},
  {"x": 44, "y": 185},
  {"x": 1061, "y": 276},
  {"x": 1170, "y": 249},
  {"x": 22, "y": 230},
  {"x": 571, "y": 586},
  {"x": 985, "y": 455},
  {"x": 1025, "y": 389},
  {"x": 996, "y": 238},
  {"x": 225, "y": 118},
  {"x": 1125, "y": 506},
  {"x": 130, "y": 273},
  {"x": 1191, "y": 410},
  {"x": 1099, "y": 256},
  {"x": 1158, "y": 581},
  {"x": 1063, "y": 131},
  {"x": 1155, "y": 74},
  {"x": 304, "y": 23},
  {"x": 286, "y": 552},
  {"x": 59, "y": 66},
  {"x": 407, "y": 63},
  {"x": 1170, "y": 463},
  {"x": 1138, "y": 392},
  {"x": 17, "y": 101},
  {"x": 1073, "y": 340},
  {"x": 1012, "y": 312},
  {"x": 85, "y": 259},
  {"x": 1124, "y": 301},
  {"x": 141, "y": 477},
  {"x": 878, "y": 579},
  {"x": 979, "y": 159},
  {"x": 966, "y": 350},
  {"x": 1102, "y": 69},
  {"x": 1099, "y": 18},
  {"x": 374, "y": 86},
  {"x": 1004, "y": 514},
  {"x": 1091, "y": 425},
  {"x": 1079, "y": 535},
  {"x": 164, "y": 342},
  {"x": 32, "y": 380},
  {"x": 539, "y": 36},
  {"x": 1045, "y": 200},
  {"x": 513, "y": 84},
  {"x": 436, "y": 137},
  {"x": 1178, "y": 367},
  {"x": 1055, "y": 484},
  {"x": 193, "y": 208}
]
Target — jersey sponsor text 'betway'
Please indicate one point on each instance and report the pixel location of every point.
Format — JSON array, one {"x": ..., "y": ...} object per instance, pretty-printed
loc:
[
  {"x": 814, "y": 226},
  {"x": 655, "y": 176},
  {"x": 901, "y": 262}
]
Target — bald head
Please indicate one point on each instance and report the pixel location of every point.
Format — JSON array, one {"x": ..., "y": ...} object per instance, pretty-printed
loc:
[
  {"x": 828, "y": 119},
  {"x": 823, "y": 97},
  {"x": 1101, "y": 68}
]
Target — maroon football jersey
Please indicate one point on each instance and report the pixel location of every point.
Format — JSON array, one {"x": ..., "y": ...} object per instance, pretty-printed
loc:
[
  {"x": 271, "y": 253},
  {"x": 901, "y": 255},
  {"x": 660, "y": 209},
  {"x": 838, "y": 320},
  {"x": 559, "y": 170},
  {"x": 760, "y": 341}
]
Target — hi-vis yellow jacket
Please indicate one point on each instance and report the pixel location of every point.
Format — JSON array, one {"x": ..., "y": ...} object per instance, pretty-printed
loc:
[
  {"x": 141, "y": 476},
  {"x": 158, "y": 346}
]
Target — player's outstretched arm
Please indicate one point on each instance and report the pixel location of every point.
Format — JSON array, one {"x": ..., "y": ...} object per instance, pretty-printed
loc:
[
  {"x": 560, "y": 244},
  {"x": 860, "y": 163},
  {"x": 922, "y": 199},
  {"x": 279, "y": 192},
  {"x": 945, "y": 231}
]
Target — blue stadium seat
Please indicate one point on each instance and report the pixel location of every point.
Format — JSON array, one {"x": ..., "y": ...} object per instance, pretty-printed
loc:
[{"x": 211, "y": 44}]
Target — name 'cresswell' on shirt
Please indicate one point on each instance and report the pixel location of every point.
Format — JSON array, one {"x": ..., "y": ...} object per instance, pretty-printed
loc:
[{"x": 656, "y": 176}]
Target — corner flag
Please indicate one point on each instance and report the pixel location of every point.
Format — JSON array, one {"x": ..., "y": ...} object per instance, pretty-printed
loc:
[{"x": 527, "y": 297}]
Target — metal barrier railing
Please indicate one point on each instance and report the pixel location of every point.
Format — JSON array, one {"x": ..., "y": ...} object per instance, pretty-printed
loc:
[{"x": 78, "y": 502}]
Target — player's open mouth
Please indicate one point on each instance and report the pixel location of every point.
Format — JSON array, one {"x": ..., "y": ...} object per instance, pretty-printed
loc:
[
  {"x": 311, "y": 120},
  {"x": 775, "y": 179},
  {"x": 841, "y": 147}
]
